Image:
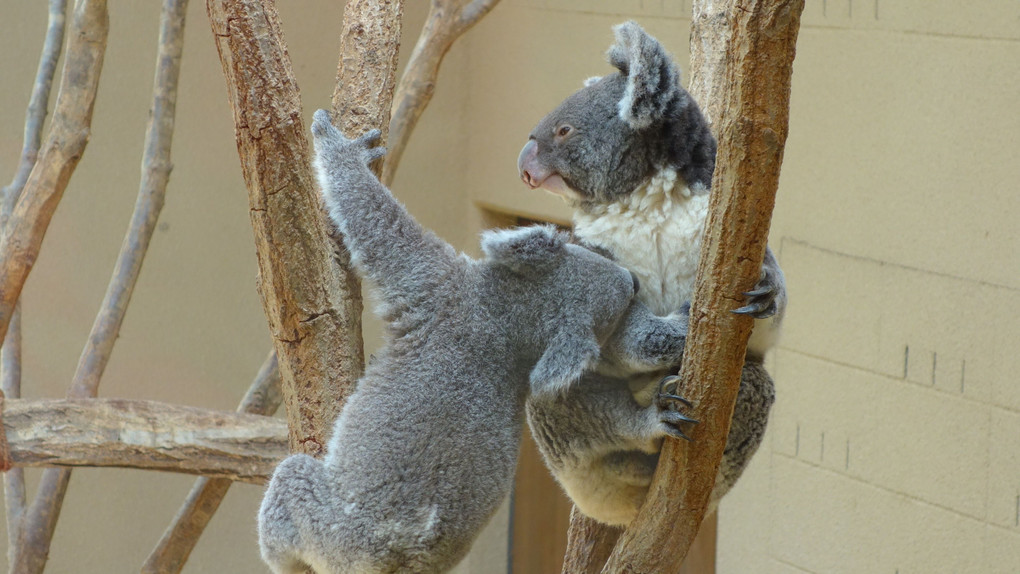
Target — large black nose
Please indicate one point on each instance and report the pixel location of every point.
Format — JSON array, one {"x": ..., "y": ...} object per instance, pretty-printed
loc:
[{"x": 637, "y": 283}]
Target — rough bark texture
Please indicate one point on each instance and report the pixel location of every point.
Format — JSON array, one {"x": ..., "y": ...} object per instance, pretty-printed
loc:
[
  {"x": 143, "y": 434},
  {"x": 156, "y": 168},
  {"x": 311, "y": 297},
  {"x": 589, "y": 544},
  {"x": 755, "y": 90},
  {"x": 64, "y": 145},
  {"x": 447, "y": 20},
  {"x": 366, "y": 72},
  {"x": 179, "y": 539}
]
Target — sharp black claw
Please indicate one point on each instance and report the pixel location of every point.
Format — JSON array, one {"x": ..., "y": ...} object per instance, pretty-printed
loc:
[
  {"x": 750, "y": 309},
  {"x": 758, "y": 291},
  {"x": 674, "y": 418},
  {"x": 677, "y": 398},
  {"x": 679, "y": 434}
]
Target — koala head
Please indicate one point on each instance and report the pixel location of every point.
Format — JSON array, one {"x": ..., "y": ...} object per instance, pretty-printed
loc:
[
  {"x": 573, "y": 298},
  {"x": 616, "y": 131}
]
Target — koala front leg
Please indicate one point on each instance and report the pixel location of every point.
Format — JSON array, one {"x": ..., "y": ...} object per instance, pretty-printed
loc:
[
  {"x": 386, "y": 243},
  {"x": 644, "y": 342}
]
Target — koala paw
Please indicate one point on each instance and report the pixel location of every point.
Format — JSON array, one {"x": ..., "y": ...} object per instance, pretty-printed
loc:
[
  {"x": 668, "y": 402},
  {"x": 328, "y": 139},
  {"x": 761, "y": 301}
]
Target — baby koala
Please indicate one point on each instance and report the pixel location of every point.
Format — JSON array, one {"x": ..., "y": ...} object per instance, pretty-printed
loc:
[{"x": 425, "y": 449}]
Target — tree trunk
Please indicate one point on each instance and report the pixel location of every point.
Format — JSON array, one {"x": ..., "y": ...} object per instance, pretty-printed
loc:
[
  {"x": 752, "y": 127},
  {"x": 311, "y": 297}
]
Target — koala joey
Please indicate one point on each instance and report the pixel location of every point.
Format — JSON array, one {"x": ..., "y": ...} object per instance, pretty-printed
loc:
[
  {"x": 633, "y": 154},
  {"x": 425, "y": 449}
]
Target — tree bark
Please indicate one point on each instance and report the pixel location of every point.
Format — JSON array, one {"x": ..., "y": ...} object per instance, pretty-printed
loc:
[
  {"x": 65, "y": 143},
  {"x": 143, "y": 434},
  {"x": 156, "y": 168},
  {"x": 311, "y": 297},
  {"x": 752, "y": 128},
  {"x": 589, "y": 544},
  {"x": 179, "y": 539},
  {"x": 10, "y": 352},
  {"x": 447, "y": 20}
]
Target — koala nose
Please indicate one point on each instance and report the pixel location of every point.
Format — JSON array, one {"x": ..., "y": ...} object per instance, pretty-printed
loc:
[
  {"x": 525, "y": 164},
  {"x": 637, "y": 283}
]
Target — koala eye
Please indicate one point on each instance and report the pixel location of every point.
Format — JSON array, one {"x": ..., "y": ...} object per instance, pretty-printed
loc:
[{"x": 563, "y": 130}]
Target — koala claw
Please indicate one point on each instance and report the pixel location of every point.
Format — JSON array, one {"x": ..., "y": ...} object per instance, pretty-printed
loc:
[
  {"x": 762, "y": 304},
  {"x": 667, "y": 396},
  {"x": 673, "y": 420},
  {"x": 369, "y": 138}
]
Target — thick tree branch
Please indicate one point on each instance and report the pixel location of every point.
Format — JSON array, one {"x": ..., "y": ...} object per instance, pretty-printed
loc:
[
  {"x": 10, "y": 353},
  {"x": 311, "y": 297},
  {"x": 143, "y": 434},
  {"x": 179, "y": 539},
  {"x": 156, "y": 168},
  {"x": 447, "y": 20},
  {"x": 752, "y": 132},
  {"x": 63, "y": 148}
]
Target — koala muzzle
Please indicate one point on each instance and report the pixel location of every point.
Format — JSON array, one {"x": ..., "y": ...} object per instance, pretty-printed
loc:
[{"x": 527, "y": 163}]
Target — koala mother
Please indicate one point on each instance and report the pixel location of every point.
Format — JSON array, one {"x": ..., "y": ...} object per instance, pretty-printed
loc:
[
  {"x": 633, "y": 154},
  {"x": 425, "y": 449}
]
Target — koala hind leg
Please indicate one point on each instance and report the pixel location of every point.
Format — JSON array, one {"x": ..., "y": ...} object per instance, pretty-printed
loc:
[{"x": 747, "y": 429}]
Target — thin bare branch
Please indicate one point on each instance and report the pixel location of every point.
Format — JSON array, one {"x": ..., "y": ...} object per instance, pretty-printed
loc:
[
  {"x": 24, "y": 231},
  {"x": 14, "y": 478},
  {"x": 156, "y": 168},
  {"x": 140, "y": 434},
  {"x": 752, "y": 130},
  {"x": 447, "y": 20},
  {"x": 10, "y": 353},
  {"x": 179, "y": 539},
  {"x": 38, "y": 104},
  {"x": 65, "y": 143}
]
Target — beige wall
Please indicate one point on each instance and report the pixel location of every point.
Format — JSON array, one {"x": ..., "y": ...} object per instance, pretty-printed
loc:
[{"x": 894, "y": 223}]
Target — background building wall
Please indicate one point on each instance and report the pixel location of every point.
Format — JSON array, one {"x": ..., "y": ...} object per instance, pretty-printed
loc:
[{"x": 894, "y": 441}]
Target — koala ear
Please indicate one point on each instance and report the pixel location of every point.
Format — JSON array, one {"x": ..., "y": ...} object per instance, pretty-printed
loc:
[
  {"x": 568, "y": 356},
  {"x": 524, "y": 248},
  {"x": 653, "y": 81}
]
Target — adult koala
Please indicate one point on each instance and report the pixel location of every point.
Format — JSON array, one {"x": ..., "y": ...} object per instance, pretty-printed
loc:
[
  {"x": 633, "y": 154},
  {"x": 425, "y": 449}
]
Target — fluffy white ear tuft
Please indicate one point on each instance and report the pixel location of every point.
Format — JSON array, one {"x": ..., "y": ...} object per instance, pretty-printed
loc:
[
  {"x": 653, "y": 82},
  {"x": 592, "y": 81}
]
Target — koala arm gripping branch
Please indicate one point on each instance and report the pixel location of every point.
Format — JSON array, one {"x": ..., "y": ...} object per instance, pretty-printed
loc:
[{"x": 385, "y": 242}]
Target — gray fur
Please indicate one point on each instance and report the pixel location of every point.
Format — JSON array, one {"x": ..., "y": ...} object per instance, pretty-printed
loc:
[
  {"x": 626, "y": 125},
  {"x": 426, "y": 447},
  {"x": 600, "y": 438}
]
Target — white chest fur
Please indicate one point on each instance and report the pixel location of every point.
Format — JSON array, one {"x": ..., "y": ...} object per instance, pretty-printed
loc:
[{"x": 656, "y": 233}]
